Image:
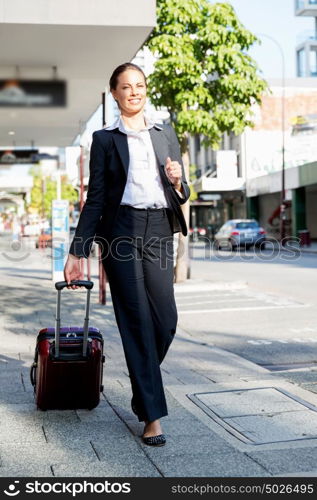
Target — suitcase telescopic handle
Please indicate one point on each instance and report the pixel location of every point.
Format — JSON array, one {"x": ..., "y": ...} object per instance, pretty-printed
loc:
[{"x": 59, "y": 285}]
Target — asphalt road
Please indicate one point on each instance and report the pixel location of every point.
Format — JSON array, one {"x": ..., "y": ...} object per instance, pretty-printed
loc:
[{"x": 269, "y": 318}]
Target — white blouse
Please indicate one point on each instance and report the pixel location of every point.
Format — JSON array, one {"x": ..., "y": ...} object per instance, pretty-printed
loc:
[{"x": 144, "y": 187}]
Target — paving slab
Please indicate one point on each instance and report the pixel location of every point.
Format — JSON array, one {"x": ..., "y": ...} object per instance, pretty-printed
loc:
[
  {"x": 276, "y": 427},
  {"x": 23, "y": 454},
  {"x": 138, "y": 467},
  {"x": 120, "y": 397},
  {"x": 248, "y": 402},
  {"x": 174, "y": 426},
  {"x": 287, "y": 461},
  {"x": 123, "y": 413},
  {"x": 299, "y": 474},
  {"x": 38, "y": 470},
  {"x": 300, "y": 377},
  {"x": 310, "y": 387},
  {"x": 27, "y": 414},
  {"x": 212, "y": 464},
  {"x": 11, "y": 381},
  {"x": 16, "y": 397},
  {"x": 66, "y": 433},
  {"x": 103, "y": 413},
  {"x": 8, "y": 365},
  {"x": 136, "y": 428},
  {"x": 178, "y": 444},
  {"x": 119, "y": 449},
  {"x": 184, "y": 377},
  {"x": 213, "y": 359},
  {"x": 21, "y": 433},
  {"x": 227, "y": 375},
  {"x": 173, "y": 403}
]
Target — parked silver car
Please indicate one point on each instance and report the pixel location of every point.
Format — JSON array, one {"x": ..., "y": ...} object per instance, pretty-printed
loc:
[{"x": 240, "y": 232}]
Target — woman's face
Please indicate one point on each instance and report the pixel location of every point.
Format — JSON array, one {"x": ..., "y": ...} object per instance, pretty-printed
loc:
[{"x": 130, "y": 92}]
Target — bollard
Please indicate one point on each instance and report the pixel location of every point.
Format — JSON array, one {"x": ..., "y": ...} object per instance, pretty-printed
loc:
[{"x": 304, "y": 238}]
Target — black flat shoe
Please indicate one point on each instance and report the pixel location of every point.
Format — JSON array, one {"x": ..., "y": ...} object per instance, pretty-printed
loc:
[{"x": 159, "y": 440}]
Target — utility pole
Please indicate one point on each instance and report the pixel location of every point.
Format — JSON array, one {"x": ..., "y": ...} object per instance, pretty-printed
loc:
[{"x": 102, "y": 273}]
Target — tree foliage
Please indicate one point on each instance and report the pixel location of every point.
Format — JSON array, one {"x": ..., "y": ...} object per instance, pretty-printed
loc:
[
  {"x": 203, "y": 74},
  {"x": 192, "y": 178},
  {"x": 44, "y": 191}
]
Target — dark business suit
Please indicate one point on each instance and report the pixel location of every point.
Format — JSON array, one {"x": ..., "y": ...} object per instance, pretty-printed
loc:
[{"x": 137, "y": 253}]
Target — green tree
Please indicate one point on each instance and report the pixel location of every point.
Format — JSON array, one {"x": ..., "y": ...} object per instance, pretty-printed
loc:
[
  {"x": 44, "y": 191},
  {"x": 203, "y": 75}
]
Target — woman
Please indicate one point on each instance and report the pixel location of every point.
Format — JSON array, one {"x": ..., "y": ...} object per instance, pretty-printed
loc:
[{"x": 135, "y": 190}]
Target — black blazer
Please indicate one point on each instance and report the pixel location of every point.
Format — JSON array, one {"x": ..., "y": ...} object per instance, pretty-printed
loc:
[{"x": 109, "y": 163}]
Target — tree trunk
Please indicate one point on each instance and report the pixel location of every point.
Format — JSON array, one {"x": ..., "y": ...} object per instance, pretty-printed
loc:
[{"x": 182, "y": 270}]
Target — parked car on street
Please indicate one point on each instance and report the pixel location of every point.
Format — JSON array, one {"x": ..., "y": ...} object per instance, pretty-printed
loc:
[
  {"x": 196, "y": 233},
  {"x": 240, "y": 232}
]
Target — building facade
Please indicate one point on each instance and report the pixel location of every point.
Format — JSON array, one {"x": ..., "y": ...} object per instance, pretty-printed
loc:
[
  {"x": 219, "y": 184},
  {"x": 263, "y": 159},
  {"x": 306, "y": 50},
  {"x": 244, "y": 177}
]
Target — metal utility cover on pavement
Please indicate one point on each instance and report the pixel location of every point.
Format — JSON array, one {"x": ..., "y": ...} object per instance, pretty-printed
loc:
[{"x": 260, "y": 416}]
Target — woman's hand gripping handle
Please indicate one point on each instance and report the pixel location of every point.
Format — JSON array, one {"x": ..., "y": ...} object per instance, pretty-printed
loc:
[{"x": 73, "y": 270}]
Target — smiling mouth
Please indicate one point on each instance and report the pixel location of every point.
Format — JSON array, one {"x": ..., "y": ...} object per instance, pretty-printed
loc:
[{"x": 134, "y": 101}]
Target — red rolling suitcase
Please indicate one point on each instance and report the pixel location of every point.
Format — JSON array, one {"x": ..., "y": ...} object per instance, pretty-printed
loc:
[{"x": 68, "y": 362}]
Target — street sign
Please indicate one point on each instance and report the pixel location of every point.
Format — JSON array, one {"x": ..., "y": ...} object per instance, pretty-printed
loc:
[
  {"x": 32, "y": 93},
  {"x": 18, "y": 156},
  {"x": 60, "y": 237}
]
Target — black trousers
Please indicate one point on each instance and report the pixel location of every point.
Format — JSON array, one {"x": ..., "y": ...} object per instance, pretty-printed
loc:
[{"x": 139, "y": 266}]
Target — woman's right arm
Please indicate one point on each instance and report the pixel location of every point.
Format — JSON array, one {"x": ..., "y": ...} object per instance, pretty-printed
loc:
[{"x": 91, "y": 212}]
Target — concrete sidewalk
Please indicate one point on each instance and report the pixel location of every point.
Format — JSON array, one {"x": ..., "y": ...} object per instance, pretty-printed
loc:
[
  {"x": 312, "y": 248},
  {"x": 220, "y": 405}
]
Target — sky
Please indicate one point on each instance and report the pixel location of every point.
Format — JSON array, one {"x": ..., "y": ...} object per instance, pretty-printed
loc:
[{"x": 274, "y": 18}]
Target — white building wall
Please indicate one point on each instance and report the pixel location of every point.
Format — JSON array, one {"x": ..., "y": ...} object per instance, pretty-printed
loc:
[{"x": 78, "y": 12}]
